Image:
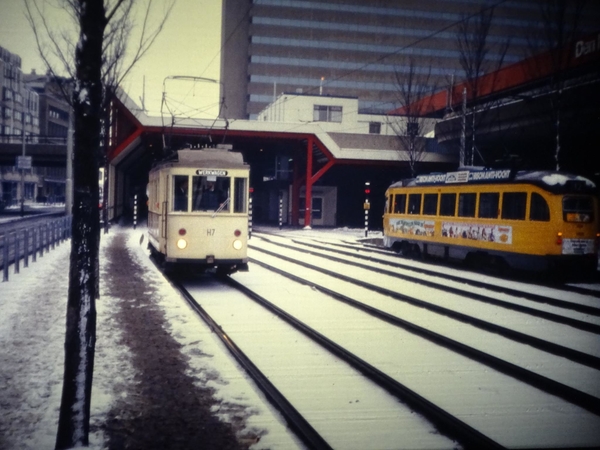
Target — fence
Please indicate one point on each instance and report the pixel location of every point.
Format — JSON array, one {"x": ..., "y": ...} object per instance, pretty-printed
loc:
[{"x": 20, "y": 245}]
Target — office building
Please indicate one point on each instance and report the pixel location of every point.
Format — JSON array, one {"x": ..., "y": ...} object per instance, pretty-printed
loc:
[
  {"x": 19, "y": 105},
  {"x": 31, "y": 107},
  {"x": 356, "y": 47}
]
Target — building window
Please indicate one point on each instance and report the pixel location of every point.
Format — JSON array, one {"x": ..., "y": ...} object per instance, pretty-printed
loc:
[
  {"x": 6, "y": 94},
  {"x": 323, "y": 113},
  {"x": 412, "y": 129},
  {"x": 56, "y": 130},
  {"x": 374, "y": 128}
]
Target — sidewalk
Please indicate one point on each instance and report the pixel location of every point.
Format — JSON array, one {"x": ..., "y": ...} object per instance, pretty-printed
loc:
[{"x": 161, "y": 379}]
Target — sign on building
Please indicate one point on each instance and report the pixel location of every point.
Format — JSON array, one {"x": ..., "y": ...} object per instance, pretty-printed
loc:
[{"x": 23, "y": 162}]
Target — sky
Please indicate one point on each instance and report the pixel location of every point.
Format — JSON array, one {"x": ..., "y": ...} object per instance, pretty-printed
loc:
[{"x": 189, "y": 45}]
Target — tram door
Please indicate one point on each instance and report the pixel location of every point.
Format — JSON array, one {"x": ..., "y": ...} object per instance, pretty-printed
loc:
[{"x": 324, "y": 206}]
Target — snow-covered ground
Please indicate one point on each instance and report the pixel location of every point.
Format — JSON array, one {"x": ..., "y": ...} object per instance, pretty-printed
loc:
[{"x": 32, "y": 326}]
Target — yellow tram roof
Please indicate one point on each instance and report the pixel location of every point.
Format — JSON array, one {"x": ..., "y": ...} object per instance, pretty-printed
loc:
[{"x": 548, "y": 180}]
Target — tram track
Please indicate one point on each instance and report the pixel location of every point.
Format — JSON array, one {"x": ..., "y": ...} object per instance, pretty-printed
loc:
[
  {"x": 408, "y": 264},
  {"x": 559, "y": 350},
  {"x": 586, "y": 401},
  {"x": 585, "y": 309},
  {"x": 582, "y": 325},
  {"x": 295, "y": 420},
  {"x": 447, "y": 422}
]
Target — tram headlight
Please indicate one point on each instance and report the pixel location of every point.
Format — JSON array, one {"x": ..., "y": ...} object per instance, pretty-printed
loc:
[
  {"x": 237, "y": 244},
  {"x": 181, "y": 244}
]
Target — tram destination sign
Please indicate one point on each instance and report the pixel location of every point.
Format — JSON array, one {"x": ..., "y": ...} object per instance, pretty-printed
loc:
[
  {"x": 464, "y": 176},
  {"x": 211, "y": 172}
]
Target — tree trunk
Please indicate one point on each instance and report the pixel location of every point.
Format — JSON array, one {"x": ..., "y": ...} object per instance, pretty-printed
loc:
[{"x": 73, "y": 426}]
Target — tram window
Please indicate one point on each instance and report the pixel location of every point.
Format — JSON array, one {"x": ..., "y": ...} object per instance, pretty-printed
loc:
[
  {"x": 447, "y": 204},
  {"x": 210, "y": 193},
  {"x": 414, "y": 203},
  {"x": 578, "y": 209},
  {"x": 488, "y": 205},
  {"x": 399, "y": 203},
  {"x": 466, "y": 204},
  {"x": 539, "y": 208},
  {"x": 514, "y": 205},
  {"x": 180, "y": 192},
  {"x": 430, "y": 202},
  {"x": 239, "y": 202}
]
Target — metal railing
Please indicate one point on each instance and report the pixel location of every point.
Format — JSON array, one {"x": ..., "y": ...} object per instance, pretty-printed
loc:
[{"x": 19, "y": 246}]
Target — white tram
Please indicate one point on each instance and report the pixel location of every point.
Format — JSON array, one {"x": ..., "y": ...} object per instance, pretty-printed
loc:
[{"x": 198, "y": 210}]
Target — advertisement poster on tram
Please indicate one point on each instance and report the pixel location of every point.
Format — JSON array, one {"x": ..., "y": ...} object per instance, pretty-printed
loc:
[
  {"x": 489, "y": 233},
  {"x": 413, "y": 227}
]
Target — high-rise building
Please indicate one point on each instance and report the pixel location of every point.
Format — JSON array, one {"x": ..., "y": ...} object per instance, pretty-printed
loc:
[
  {"x": 362, "y": 48},
  {"x": 19, "y": 105},
  {"x": 54, "y": 110},
  {"x": 31, "y": 106}
]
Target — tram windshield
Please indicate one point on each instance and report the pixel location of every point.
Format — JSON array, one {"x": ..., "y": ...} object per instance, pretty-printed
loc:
[
  {"x": 210, "y": 193},
  {"x": 578, "y": 209}
]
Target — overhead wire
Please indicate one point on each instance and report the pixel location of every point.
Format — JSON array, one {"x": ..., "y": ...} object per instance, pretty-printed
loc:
[
  {"x": 246, "y": 14},
  {"x": 221, "y": 102},
  {"x": 399, "y": 50},
  {"x": 360, "y": 68}
]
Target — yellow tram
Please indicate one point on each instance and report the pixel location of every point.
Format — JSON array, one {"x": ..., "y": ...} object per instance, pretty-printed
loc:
[
  {"x": 524, "y": 220},
  {"x": 198, "y": 210}
]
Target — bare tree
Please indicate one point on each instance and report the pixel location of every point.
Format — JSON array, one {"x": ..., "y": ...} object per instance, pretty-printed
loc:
[
  {"x": 559, "y": 27},
  {"x": 473, "y": 46},
  {"x": 57, "y": 47},
  {"x": 413, "y": 84},
  {"x": 96, "y": 62}
]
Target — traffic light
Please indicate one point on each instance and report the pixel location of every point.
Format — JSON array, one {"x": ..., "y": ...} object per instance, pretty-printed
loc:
[{"x": 367, "y": 187}]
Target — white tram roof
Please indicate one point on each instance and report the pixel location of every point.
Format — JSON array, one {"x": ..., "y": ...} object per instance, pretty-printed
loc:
[
  {"x": 216, "y": 158},
  {"x": 469, "y": 175}
]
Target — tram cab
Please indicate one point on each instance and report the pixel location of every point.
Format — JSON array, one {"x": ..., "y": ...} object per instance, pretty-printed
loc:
[{"x": 198, "y": 210}]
